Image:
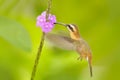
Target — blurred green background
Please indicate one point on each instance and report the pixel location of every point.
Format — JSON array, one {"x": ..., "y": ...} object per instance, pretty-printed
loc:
[{"x": 99, "y": 25}]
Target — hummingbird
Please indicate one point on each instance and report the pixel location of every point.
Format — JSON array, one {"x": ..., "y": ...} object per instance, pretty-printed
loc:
[{"x": 74, "y": 42}]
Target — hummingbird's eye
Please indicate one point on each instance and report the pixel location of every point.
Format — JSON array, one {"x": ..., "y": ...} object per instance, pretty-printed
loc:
[{"x": 70, "y": 27}]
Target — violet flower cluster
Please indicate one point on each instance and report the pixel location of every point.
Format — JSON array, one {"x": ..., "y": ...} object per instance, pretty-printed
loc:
[{"x": 44, "y": 24}]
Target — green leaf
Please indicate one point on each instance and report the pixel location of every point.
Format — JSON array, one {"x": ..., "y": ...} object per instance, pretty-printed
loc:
[{"x": 15, "y": 34}]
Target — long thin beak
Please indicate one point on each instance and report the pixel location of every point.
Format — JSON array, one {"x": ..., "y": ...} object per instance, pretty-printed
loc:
[{"x": 63, "y": 24}]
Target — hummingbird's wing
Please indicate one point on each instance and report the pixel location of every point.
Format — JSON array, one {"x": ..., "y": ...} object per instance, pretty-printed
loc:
[{"x": 61, "y": 41}]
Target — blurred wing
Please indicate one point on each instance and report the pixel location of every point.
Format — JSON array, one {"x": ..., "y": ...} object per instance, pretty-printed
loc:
[{"x": 61, "y": 41}]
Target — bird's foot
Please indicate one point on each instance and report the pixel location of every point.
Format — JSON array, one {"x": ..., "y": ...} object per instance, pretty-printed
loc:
[{"x": 79, "y": 58}]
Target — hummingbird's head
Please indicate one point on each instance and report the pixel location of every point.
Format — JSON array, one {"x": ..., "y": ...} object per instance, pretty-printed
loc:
[
  {"x": 74, "y": 32},
  {"x": 73, "y": 29}
]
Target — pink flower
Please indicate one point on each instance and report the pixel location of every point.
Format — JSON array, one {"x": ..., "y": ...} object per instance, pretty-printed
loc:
[{"x": 46, "y": 26}]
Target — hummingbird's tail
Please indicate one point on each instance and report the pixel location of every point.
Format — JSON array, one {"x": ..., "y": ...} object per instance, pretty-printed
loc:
[{"x": 90, "y": 66}]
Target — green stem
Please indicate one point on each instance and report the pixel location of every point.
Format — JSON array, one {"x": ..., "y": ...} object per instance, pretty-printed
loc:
[
  {"x": 48, "y": 9},
  {"x": 38, "y": 56}
]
